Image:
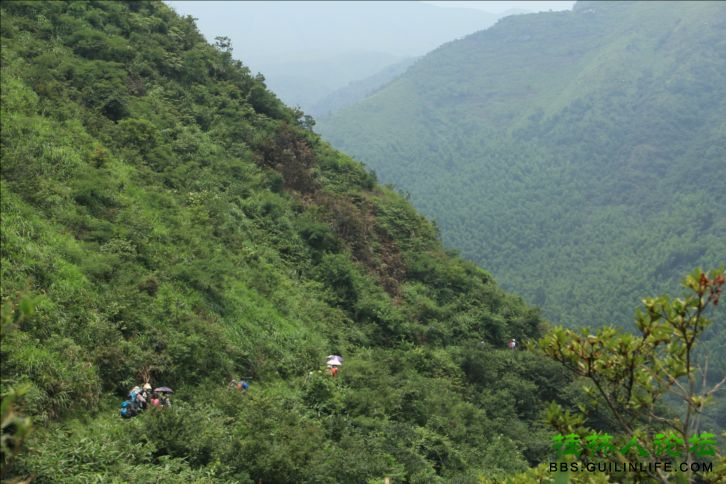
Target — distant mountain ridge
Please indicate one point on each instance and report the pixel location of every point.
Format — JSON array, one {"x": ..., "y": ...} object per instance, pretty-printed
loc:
[
  {"x": 308, "y": 50},
  {"x": 360, "y": 89},
  {"x": 578, "y": 155},
  {"x": 309, "y": 82}
]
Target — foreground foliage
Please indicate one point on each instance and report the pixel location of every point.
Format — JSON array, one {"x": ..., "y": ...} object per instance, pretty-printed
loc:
[{"x": 632, "y": 375}]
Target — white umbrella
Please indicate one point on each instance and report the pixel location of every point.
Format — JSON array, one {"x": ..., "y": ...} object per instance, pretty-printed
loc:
[{"x": 334, "y": 360}]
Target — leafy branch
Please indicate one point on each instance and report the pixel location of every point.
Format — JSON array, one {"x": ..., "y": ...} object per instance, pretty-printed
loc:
[{"x": 633, "y": 373}]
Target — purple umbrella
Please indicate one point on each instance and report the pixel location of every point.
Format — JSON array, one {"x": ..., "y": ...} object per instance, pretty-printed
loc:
[{"x": 163, "y": 390}]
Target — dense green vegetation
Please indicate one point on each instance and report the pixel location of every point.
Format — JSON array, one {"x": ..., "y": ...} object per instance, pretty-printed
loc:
[
  {"x": 578, "y": 156},
  {"x": 164, "y": 214}
]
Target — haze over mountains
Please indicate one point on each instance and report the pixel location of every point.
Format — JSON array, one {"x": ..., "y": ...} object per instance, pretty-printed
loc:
[
  {"x": 166, "y": 219},
  {"x": 308, "y": 50},
  {"x": 357, "y": 90},
  {"x": 580, "y": 156}
]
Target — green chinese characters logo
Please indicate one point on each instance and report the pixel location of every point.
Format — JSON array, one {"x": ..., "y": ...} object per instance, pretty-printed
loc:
[{"x": 664, "y": 445}]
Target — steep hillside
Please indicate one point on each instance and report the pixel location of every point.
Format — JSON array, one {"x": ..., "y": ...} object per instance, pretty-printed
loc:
[
  {"x": 579, "y": 156},
  {"x": 166, "y": 217}
]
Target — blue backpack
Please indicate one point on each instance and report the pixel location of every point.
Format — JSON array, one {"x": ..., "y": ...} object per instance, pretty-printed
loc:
[{"x": 127, "y": 409}]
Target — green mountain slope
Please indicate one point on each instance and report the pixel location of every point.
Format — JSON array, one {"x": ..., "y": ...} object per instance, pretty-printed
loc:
[
  {"x": 360, "y": 89},
  {"x": 580, "y": 156},
  {"x": 164, "y": 216}
]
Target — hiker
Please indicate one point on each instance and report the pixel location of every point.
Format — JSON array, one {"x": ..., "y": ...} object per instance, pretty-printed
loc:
[
  {"x": 137, "y": 397},
  {"x": 160, "y": 397},
  {"x": 137, "y": 401},
  {"x": 163, "y": 393},
  {"x": 141, "y": 401},
  {"x": 239, "y": 385},
  {"x": 512, "y": 344},
  {"x": 131, "y": 407},
  {"x": 144, "y": 396},
  {"x": 334, "y": 361}
]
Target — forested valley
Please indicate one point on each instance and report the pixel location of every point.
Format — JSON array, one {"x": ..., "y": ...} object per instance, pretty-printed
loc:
[
  {"x": 166, "y": 220},
  {"x": 579, "y": 156}
]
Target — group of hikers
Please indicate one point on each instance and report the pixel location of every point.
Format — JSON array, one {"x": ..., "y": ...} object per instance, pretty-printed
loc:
[{"x": 142, "y": 397}]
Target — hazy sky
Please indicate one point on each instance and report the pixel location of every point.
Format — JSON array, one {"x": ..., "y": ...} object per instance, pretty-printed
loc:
[
  {"x": 498, "y": 7},
  {"x": 263, "y": 31},
  {"x": 308, "y": 49}
]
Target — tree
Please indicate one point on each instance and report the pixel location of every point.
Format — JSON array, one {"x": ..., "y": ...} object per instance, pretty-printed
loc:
[
  {"x": 223, "y": 44},
  {"x": 635, "y": 374}
]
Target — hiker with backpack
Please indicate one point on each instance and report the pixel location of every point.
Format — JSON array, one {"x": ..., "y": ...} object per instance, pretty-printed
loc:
[
  {"x": 130, "y": 407},
  {"x": 146, "y": 393},
  {"x": 138, "y": 402},
  {"x": 240, "y": 385}
]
